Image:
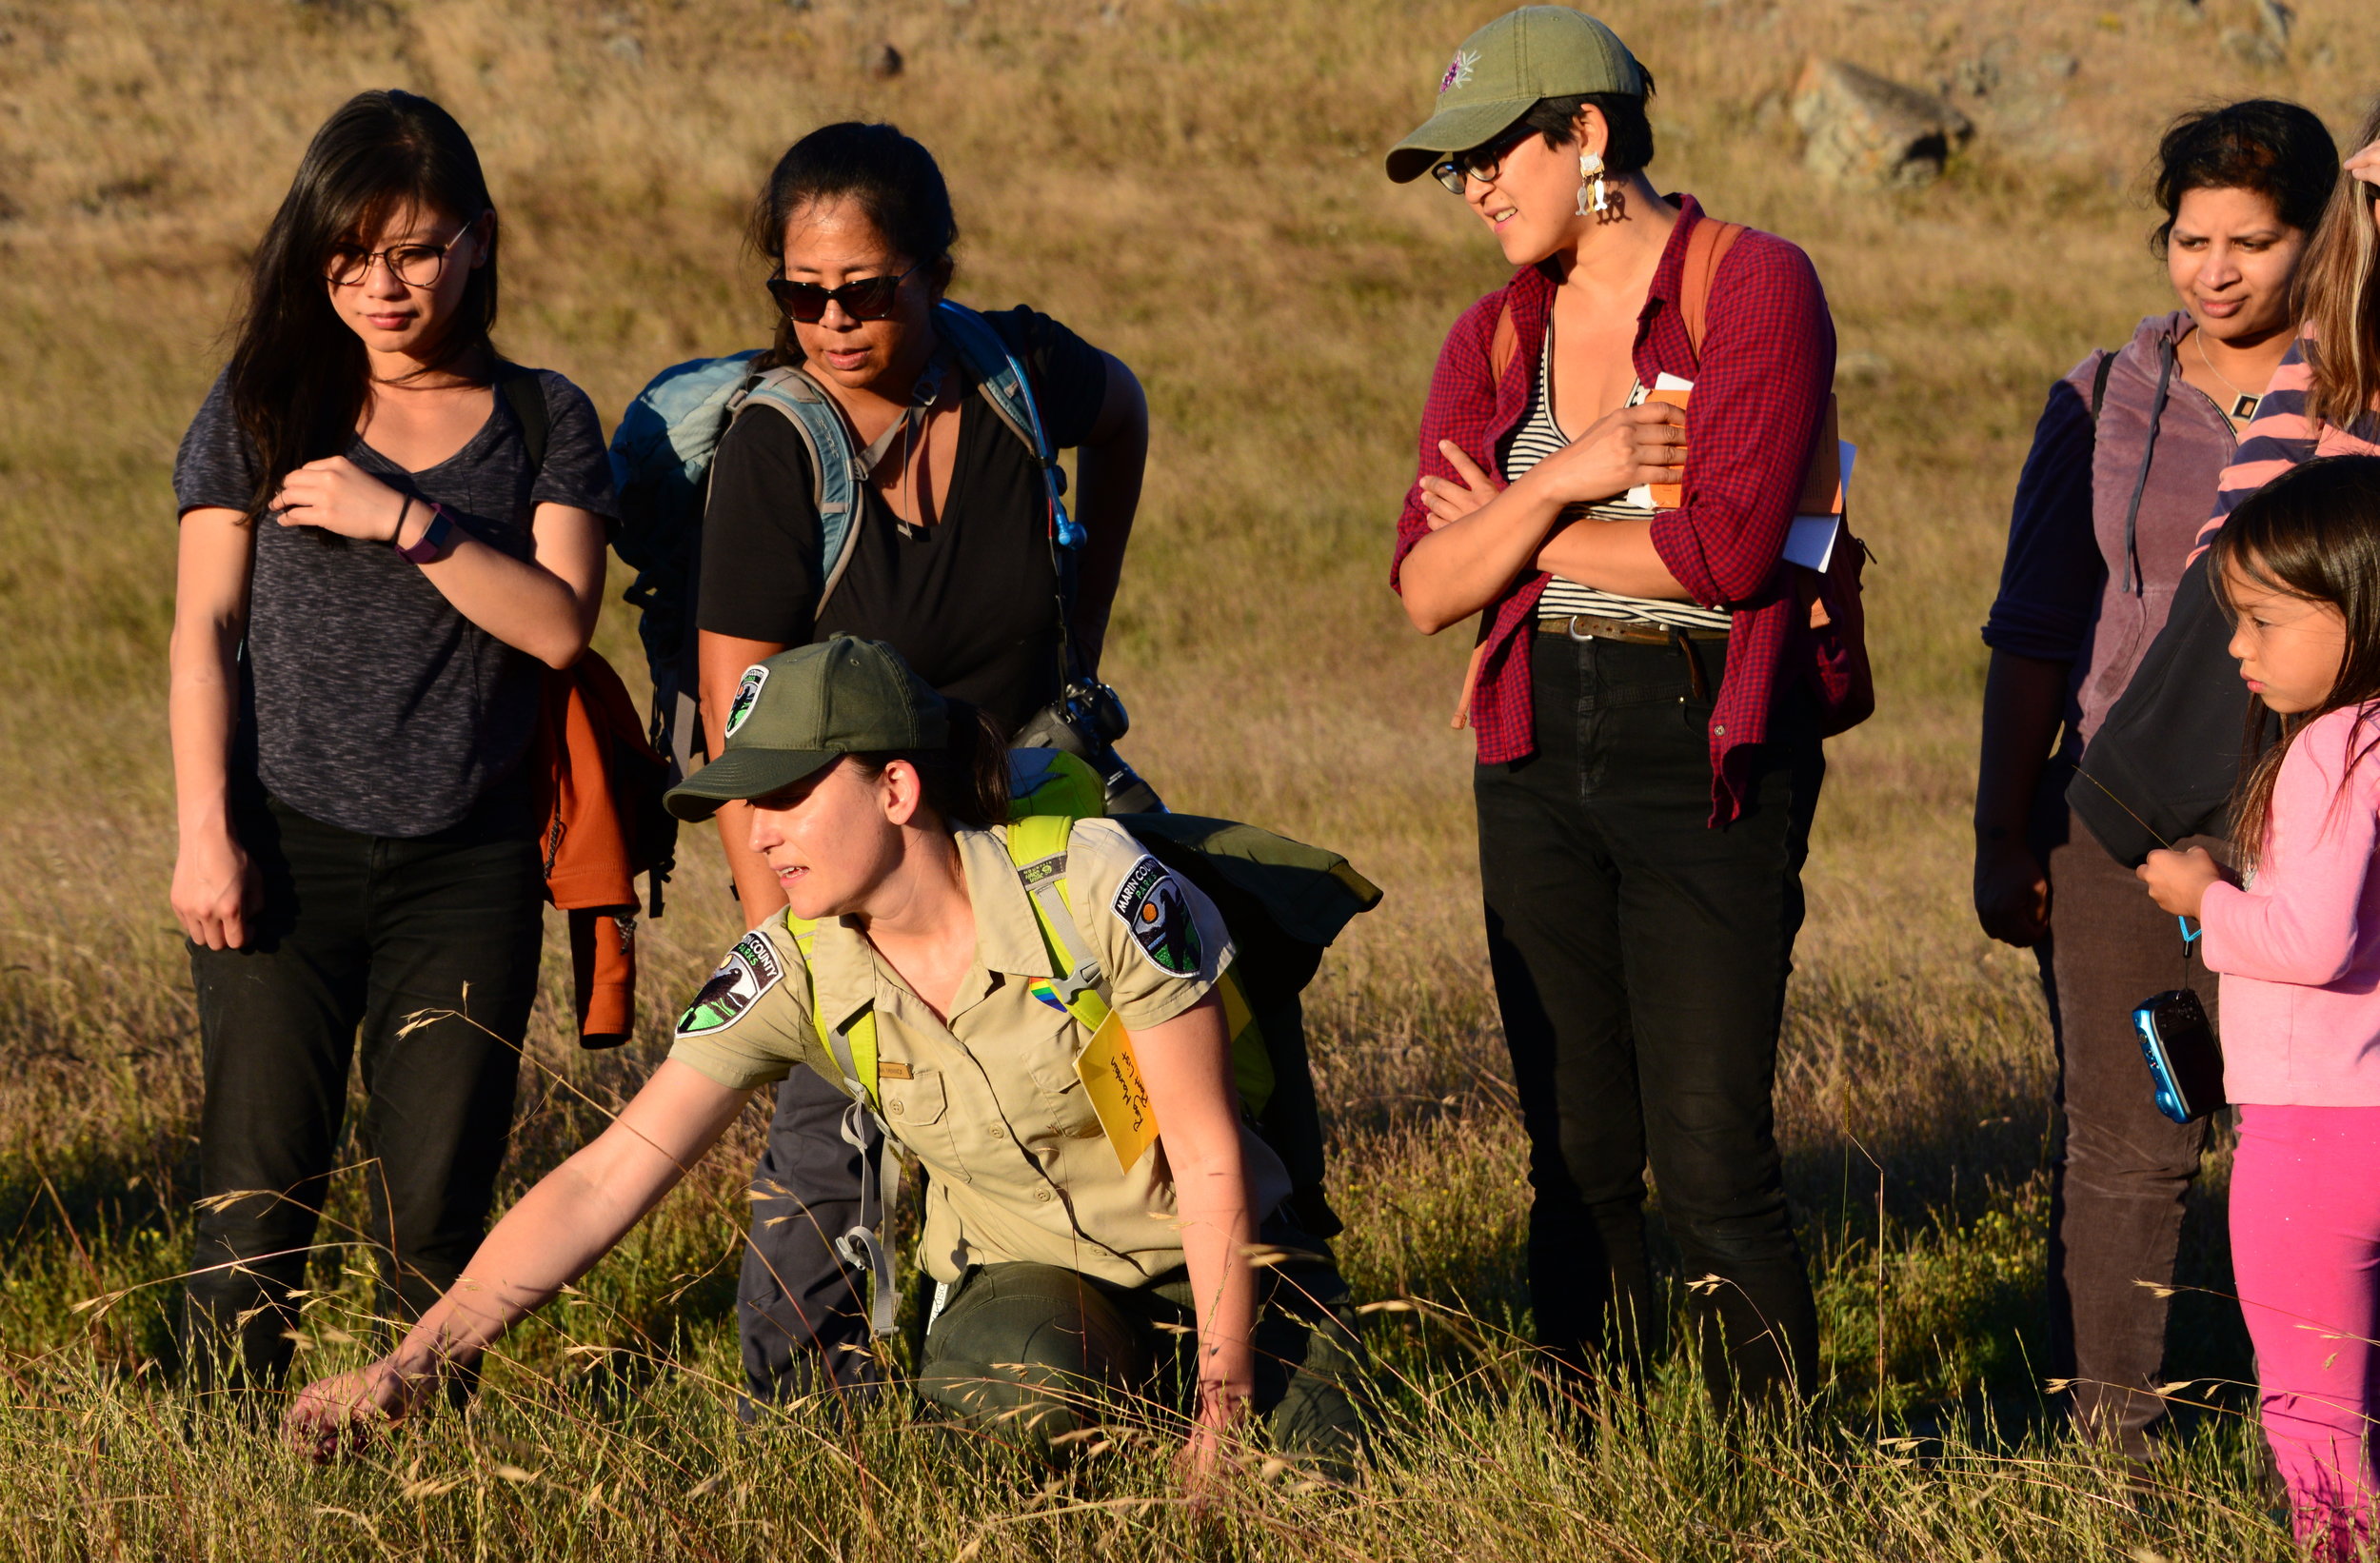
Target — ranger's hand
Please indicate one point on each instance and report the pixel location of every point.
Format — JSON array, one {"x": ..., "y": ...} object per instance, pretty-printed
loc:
[
  {"x": 334, "y": 1419},
  {"x": 1205, "y": 1461}
]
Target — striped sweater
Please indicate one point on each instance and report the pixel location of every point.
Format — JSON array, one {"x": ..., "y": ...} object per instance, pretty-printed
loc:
[{"x": 2282, "y": 436}]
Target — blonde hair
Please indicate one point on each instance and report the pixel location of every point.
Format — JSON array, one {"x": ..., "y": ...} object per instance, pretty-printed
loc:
[{"x": 2338, "y": 298}]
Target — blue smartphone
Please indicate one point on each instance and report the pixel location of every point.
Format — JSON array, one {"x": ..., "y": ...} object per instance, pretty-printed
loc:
[{"x": 2185, "y": 1062}]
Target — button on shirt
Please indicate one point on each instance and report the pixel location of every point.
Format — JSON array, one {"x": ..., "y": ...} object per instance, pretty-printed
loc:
[{"x": 990, "y": 1102}]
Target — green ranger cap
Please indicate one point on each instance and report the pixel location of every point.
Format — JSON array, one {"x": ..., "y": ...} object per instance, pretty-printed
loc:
[
  {"x": 796, "y": 713},
  {"x": 1502, "y": 69}
]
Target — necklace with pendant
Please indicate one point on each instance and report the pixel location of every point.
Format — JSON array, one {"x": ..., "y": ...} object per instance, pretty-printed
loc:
[{"x": 2243, "y": 404}]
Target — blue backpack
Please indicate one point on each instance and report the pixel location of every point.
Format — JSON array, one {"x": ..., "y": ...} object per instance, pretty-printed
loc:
[{"x": 661, "y": 457}]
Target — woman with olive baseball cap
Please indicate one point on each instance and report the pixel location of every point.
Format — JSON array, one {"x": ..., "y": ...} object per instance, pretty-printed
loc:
[
  {"x": 1075, "y": 1251},
  {"x": 1648, "y": 737}
]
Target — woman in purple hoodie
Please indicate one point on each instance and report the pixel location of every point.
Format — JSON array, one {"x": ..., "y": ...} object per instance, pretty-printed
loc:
[{"x": 2122, "y": 474}]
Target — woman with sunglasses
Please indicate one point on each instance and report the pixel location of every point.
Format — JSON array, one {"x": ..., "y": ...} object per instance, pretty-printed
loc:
[
  {"x": 1649, "y": 734},
  {"x": 952, "y": 568},
  {"x": 371, "y": 571}
]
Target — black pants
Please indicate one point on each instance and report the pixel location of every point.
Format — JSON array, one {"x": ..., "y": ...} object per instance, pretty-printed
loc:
[
  {"x": 2123, "y": 1169},
  {"x": 800, "y": 1307},
  {"x": 356, "y": 930},
  {"x": 1640, "y": 959}
]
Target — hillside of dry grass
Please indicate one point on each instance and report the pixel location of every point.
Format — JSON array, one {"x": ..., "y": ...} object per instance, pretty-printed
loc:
[{"x": 1193, "y": 184}]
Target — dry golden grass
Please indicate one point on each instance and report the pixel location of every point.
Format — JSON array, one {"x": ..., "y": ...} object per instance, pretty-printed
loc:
[{"x": 1193, "y": 184}]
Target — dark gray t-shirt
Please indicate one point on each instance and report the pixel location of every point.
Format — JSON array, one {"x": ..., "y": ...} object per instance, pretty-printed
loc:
[{"x": 378, "y": 708}]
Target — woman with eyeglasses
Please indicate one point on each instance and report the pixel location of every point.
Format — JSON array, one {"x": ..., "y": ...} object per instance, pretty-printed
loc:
[
  {"x": 953, "y": 568},
  {"x": 1646, "y": 694},
  {"x": 373, "y": 570}
]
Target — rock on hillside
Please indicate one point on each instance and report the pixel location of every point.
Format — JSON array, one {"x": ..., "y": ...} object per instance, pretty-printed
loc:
[{"x": 1868, "y": 132}]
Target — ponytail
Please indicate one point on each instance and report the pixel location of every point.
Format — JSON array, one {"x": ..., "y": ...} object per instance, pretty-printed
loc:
[{"x": 966, "y": 780}]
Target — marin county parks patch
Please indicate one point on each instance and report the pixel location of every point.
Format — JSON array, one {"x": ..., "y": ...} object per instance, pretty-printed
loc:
[
  {"x": 1153, "y": 906},
  {"x": 751, "y": 969},
  {"x": 747, "y": 693}
]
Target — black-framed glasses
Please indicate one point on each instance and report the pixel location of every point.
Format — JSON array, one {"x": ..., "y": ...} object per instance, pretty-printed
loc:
[
  {"x": 870, "y": 298},
  {"x": 414, "y": 265},
  {"x": 1483, "y": 161}
]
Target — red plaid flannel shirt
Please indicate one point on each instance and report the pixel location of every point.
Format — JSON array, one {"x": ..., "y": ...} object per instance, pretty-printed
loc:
[{"x": 1768, "y": 362}]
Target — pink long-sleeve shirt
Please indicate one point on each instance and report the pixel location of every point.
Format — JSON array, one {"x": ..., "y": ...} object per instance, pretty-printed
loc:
[{"x": 2299, "y": 948}]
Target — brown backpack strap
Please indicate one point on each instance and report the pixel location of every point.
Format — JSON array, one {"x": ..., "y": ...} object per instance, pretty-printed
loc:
[
  {"x": 1502, "y": 346},
  {"x": 1706, "y": 246}
]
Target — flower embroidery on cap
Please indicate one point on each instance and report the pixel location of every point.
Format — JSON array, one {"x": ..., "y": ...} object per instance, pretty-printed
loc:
[{"x": 1458, "y": 70}]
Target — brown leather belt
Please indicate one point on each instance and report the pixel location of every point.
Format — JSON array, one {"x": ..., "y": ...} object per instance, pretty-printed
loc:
[{"x": 1587, "y": 626}]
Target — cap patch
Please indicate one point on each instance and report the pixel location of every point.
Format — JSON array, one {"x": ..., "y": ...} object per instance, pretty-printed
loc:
[
  {"x": 748, "y": 695},
  {"x": 751, "y": 969},
  {"x": 1152, "y": 905},
  {"x": 1458, "y": 70}
]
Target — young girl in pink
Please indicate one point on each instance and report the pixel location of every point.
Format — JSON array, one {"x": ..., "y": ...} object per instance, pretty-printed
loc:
[{"x": 2298, "y": 947}]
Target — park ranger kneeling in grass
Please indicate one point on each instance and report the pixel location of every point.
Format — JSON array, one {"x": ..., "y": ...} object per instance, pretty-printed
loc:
[{"x": 1096, "y": 1203}]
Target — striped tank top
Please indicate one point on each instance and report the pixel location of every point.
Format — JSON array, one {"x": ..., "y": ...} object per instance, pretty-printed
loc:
[
  {"x": 2283, "y": 434},
  {"x": 1539, "y": 437}
]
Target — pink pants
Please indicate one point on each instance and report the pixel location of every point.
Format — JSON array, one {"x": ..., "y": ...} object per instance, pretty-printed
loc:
[{"x": 2306, "y": 1252}]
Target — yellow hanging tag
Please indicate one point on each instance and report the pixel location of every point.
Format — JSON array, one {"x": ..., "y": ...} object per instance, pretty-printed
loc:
[{"x": 1112, "y": 1075}]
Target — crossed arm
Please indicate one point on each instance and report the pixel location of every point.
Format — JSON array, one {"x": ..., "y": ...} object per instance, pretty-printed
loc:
[
  {"x": 545, "y": 606},
  {"x": 1482, "y": 536}
]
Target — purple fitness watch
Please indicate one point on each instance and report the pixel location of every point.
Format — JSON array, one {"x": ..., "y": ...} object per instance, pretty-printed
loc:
[{"x": 432, "y": 545}]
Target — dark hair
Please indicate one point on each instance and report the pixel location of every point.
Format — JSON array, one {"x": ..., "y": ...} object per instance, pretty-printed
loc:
[
  {"x": 967, "y": 780},
  {"x": 1631, "y": 147},
  {"x": 894, "y": 179},
  {"x": 2280, "y": 150},
  {"x": 298, "y": 376},
  {"x": 2313, "y": 532}
]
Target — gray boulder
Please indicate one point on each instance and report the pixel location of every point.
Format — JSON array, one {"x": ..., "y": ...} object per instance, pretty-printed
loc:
[{"x": 1866, "y": 132}]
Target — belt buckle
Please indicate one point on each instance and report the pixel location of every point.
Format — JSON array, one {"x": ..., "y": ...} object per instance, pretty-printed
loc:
[{"x": 1575, "y": 619}]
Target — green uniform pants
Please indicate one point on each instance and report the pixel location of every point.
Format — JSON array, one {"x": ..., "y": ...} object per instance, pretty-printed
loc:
[{"x": 1031, "y": 1348}]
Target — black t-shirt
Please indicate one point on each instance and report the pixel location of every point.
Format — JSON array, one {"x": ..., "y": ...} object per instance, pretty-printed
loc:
[
  {"x": 971, "y": 602},
  {"x": 378, "y": 708}
]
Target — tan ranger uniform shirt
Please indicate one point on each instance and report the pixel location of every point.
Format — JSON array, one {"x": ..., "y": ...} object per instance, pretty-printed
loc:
[{"x": 991, "y": 1103}]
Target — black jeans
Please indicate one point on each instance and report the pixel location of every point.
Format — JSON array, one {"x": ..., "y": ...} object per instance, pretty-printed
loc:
[
  {"x": 1640, "y": 959},
  {"x": 356, "y": 930},
  {"x": 799, "y": 1306}
]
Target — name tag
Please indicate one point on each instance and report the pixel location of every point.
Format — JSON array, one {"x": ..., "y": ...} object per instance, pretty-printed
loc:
[
  {"x": 887, "y": 1069},
  {"x": 1112, "y": 1075}
]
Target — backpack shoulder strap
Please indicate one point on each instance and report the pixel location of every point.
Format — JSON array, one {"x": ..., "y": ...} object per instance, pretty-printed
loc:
[
  {"x": 852, "y": 1040},
  {"x": 1037, "y": 846},
  {"x": 836, "y": 477},
  {"x": 1706, "y": 246},
  {"x": 869, "y": 1244},
  {"x": 526, "y": 395},
  {"x": 1005, "y": 385},
  {"x": 1503, "y": 343},
  {"x": 1009, "y": 389},
  {"x": 2099, "y": 386}
]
